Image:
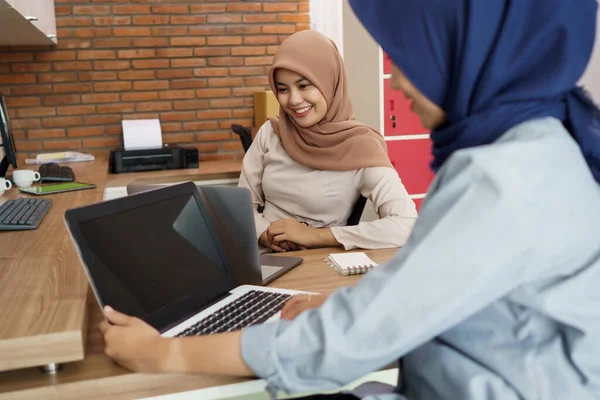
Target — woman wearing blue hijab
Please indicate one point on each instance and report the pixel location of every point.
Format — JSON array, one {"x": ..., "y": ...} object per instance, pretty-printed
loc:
[{"x": 495, "y": 295}]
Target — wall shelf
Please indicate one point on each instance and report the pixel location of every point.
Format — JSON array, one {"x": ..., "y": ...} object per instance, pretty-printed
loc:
[{"x": 27, "y": 22}]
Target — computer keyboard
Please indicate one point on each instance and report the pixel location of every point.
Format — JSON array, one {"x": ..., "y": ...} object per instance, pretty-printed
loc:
[
  {"x": 252, "y": 308},
  {"x": 52, "y": 172},
  {"x": 23, "y": 213}
]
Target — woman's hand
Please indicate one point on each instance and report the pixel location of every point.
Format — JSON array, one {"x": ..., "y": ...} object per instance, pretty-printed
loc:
[
  {"x": 300, "y": 303},
  {"x": 278, "y": 247},
  {"x": 291, "y": 231},
  {"x": 133, "y": 343}
]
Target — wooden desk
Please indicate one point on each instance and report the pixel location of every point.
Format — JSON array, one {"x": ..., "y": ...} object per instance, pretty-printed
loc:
[
  {"x": 97, "y": 377},
  {"x": 43, "y": 288},
  {"x": 207, "y": 170}
]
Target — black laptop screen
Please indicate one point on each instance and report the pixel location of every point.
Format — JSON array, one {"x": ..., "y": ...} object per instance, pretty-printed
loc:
[{"x": 148, "y": 258}]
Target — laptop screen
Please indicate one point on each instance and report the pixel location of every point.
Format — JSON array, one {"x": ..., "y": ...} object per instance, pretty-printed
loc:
[{"x": 145, "y": 259}]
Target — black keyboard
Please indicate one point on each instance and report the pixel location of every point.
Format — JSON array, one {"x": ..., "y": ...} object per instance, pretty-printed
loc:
[
  {"x": 23, "y": 213},
  {"x": 52, "y": 172},
  {"x": 253, "y": 308}
]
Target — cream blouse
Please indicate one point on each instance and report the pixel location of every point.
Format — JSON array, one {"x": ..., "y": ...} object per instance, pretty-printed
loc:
[{"x": 321, "y": 199}]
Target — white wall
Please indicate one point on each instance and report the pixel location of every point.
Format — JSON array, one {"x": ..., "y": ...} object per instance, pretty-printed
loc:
[
  {"x": 326, "y": 17},
  {"x": 591, "y": 78}
]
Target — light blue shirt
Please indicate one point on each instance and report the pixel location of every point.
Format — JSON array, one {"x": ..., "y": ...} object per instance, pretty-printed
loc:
[{"x": 496, "y": 295}]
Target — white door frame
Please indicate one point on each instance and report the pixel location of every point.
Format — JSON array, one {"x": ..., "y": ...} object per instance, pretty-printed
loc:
[{"x": 326, "y": 17}]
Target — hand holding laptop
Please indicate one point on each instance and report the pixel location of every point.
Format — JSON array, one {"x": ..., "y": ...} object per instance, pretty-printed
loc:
[
  {"x": 133, "y": 343},
  {"x": 138, "y": 346}
]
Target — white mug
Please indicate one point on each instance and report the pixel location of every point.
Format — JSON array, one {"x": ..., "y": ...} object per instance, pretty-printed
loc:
[
  {"x": 4, "y": 185},
  {"x": 25, "y": 177}
]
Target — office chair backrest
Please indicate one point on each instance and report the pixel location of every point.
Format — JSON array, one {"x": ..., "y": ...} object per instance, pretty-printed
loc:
[
  {"x": 357, "y": 211},
  {"x": 245, "y": 134}
]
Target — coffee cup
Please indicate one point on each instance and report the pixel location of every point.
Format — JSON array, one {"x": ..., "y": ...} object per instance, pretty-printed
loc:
[
  {"x": 4, "y": 185},
  {"x": 25, "y": 177}
]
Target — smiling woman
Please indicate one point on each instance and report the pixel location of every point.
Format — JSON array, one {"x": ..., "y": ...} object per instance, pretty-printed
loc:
[
  {"x": 307, "y": 167},
  {"x": 299, "y": 98}
]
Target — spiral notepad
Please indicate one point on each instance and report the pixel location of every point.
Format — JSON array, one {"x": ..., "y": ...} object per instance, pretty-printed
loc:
[{"x": 350, "y": 263}]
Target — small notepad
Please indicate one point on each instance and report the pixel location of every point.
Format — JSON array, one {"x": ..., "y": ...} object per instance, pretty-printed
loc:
[{"x": 350, "y": 263}]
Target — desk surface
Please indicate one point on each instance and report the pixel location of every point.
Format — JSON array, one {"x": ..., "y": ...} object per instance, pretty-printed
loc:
[
  {"x": 43, "y": 288},
  {"x": 207, "y": 170},
  {"x": 100, "y": 378},
  {"x": 46, "y": 300}
]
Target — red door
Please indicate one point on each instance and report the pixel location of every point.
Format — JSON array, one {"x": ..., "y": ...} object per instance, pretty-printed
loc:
[
  {"x": 411, "y": 158},
  {"x": 399, "y": 119}
]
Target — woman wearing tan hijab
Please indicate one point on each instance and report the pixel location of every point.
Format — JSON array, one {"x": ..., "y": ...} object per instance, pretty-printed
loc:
[{"x": 307, "y": 167}]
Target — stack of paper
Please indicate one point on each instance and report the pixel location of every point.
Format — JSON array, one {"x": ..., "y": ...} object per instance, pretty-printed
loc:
[
  {"x": 350, "y": 263},
  {"x": 64, "y": 157}
]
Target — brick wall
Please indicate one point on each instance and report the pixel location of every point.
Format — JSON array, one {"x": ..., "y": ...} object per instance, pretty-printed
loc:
[{"x": 193, "y": 64}]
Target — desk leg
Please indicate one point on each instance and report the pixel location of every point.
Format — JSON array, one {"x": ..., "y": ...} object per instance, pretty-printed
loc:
[{"x": 51, "y": 369}]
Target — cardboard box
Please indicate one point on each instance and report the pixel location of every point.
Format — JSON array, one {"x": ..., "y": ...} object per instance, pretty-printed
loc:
[{"x": 265, "y": 106}]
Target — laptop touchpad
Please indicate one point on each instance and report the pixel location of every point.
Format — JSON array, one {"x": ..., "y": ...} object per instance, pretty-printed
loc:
[{"x": 268, "y": 270}]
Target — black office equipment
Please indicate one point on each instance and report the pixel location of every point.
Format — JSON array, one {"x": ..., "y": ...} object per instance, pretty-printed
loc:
[
  {"x": 161, "y": 256},
  {"x": 8, "y": 143},
  {"x": 23, "y": 213},
  {"x": 231, "y": 210},
  {"x": 168, "y": 157},
  {"x": 52, "y": 172}
]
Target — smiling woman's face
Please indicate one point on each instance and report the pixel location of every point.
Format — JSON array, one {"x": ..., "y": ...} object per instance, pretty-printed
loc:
[
  {"x": 300, "y": 99},
  {"x": 430, "y": 114}
]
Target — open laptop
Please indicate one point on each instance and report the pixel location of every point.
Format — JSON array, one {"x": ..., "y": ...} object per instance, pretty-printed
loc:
[
  {"x": 160, "y": 256},
  {"x": 231, "y": 211}
]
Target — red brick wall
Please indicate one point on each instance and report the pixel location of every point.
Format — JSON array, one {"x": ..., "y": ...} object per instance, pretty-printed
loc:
[{"x": 193, "y": 64}]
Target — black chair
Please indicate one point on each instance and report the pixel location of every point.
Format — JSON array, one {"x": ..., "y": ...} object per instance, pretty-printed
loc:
[
  {"x": 245, "y": 134},
  {"x": 357, "y": 211}
]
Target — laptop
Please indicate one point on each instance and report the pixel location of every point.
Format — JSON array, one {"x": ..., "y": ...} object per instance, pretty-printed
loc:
[
  {"x": 231, "y": 211},
  {"x": 161, "y": 256}
]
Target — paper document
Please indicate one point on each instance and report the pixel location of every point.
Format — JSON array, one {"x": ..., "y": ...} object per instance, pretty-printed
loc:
[
  {"x": 142, "y": 134},
  {"x": 67, "y": 156}
]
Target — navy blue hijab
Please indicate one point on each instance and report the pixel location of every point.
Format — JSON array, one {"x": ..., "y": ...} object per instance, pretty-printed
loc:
[{"x": 492, "y": 64}]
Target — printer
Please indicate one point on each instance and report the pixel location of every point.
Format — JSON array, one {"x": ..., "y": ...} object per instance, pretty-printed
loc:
[{"x": 167, "y": 157}]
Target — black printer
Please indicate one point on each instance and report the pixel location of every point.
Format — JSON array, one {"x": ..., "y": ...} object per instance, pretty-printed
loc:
[{"x": 167, "y": 157}]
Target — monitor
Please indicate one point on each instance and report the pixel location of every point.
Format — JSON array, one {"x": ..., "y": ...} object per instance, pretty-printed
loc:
[{"x": 7, "y": 142}]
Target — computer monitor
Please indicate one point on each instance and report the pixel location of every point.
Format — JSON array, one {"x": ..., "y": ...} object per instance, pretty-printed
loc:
[{"x": 8, "y": 144}]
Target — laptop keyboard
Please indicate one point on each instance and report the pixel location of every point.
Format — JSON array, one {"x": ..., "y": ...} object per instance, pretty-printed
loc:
[
  {"x": 23, "y": 213},
  {"x": 255, "y": 307}
]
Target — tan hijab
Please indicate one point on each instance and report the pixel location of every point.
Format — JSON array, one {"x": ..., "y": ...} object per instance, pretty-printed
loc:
[{"x": 338, "y": 142}]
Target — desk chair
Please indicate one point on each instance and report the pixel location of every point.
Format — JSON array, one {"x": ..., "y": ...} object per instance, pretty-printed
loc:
[{"x": 245, "y": 134}]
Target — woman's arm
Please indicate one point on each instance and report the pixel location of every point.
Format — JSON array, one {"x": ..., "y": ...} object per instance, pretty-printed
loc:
[
  {"x": 463, "y": 255},
  {"x": 397, "y": 212},
  {"x": 290, "y": 230},
  {"x": 137, "y": 346}
]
